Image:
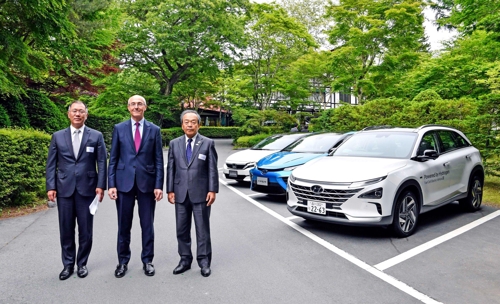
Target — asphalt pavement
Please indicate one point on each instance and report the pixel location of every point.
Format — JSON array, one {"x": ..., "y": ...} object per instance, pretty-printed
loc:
[{"x": 259, "y": 256}]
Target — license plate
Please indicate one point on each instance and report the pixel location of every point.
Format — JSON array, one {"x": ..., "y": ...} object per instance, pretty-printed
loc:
[
  {"x": 233, "y": 173},
  {"x": 262, "y": 181},
  {"x": 316, "y": 207}
]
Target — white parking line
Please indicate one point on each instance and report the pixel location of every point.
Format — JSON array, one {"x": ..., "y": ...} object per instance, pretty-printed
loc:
[
  {"x": 378, "y": 273},
  {"x": 294, "y": 217},
  {"x": 417, "y": 250},
  {"x": 254, "y": 194}
]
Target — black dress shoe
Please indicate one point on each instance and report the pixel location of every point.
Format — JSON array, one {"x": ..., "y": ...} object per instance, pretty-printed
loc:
[
  {"x": 66, "y": 272},
  {"x": 149, "y": 269},
  {"x": 121, "y": 270},
  {"x": 82, "y": 272},
  {"x": 181, "y": 268},
  {"x": 205, "y": 271}
]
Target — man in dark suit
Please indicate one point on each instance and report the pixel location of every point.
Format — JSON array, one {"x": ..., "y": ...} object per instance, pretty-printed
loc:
[
  {"x": 136, "y": 172},
  {"x": 71, "y": 176},
  {"x": 192, "y": 182}
]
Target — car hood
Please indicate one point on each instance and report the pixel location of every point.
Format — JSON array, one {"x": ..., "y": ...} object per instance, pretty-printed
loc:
[
  {"x": 286, "y": 159},
  {"x": 343, "y": 169},
  {"x": 248, "y": 156}
]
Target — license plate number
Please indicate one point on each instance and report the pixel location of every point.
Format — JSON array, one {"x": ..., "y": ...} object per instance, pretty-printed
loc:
[
  {"x": 233, "y": 173},
  {"x": 316, "y": 207},
  {"x": 261, "y": 181}
]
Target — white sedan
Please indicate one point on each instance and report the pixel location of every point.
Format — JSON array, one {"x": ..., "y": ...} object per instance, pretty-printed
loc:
[{"x": 238, "y": 165}]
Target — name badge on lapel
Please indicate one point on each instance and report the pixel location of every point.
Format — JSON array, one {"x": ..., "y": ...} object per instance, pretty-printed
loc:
[
  {"x": 90, "y": 149},
  {"x": 202, "y": 156}
]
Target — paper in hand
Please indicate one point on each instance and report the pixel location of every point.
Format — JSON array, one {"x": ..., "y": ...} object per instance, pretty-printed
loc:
[{"x": 94, "y": 205}]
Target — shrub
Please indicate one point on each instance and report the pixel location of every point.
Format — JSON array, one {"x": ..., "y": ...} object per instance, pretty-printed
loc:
[
  {"x": 23, "y": 155},
  {"x": 212, "y": 132},
  {"x": 104, "y": 123},
  {"x": 43, "y": 114},
  {"x": 16, "y": 111},
  {"x": 249, "y": 141},
  {"x": 4, "y": 118}
]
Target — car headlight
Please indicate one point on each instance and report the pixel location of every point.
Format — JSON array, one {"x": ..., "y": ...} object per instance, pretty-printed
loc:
[
  {"x": 292, "y": 178},
  {"x": 249, "y": 165},
  {"x": 373, "y": 194},
  {"x": 290, "y": 168},
  {"x": 367, "y": 182}
]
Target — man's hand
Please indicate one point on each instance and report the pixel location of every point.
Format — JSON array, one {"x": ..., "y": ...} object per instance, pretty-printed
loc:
[
  {"x": 113, "y": 194},
  {"x": 158, "y": 194},
  {"x": 210, "y": 198},
  {"x": 99, "y": 192},
  {"x": 51, "y": 194},
  {"x": 171, "y": 197}
]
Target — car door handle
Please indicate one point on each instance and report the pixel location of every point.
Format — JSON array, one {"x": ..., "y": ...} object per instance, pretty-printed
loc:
[
  {"x": 446, "y": 164},
  {"x": 468, "y": 156}
]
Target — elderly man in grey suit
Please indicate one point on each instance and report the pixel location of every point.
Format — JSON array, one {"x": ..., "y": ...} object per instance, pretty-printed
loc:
[
  {"x": 75, "y": 174},
  {"x": 192, "y": 182}
]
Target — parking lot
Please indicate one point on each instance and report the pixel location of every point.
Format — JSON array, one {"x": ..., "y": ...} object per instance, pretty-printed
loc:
[{"x": 263, "y": 254}]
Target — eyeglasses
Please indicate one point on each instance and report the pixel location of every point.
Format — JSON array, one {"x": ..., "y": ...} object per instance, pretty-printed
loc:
[
  {"x": 138, "y": 104},
  {"x": 78, "y": 111}
]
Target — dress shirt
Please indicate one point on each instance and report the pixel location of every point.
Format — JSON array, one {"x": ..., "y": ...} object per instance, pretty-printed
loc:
[
  {"x": 73, "y": 134},
  {"x": 192, "y": 142}
]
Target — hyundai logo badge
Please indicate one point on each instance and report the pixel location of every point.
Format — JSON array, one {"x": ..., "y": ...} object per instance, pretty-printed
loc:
[
  {"x": 264, "y": 171},
  {"x": 316, "y": 189},
  {"x": 234, "y": 166}
]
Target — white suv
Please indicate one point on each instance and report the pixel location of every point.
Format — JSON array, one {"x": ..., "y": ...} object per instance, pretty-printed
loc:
[{"x": 389, "y": 176}]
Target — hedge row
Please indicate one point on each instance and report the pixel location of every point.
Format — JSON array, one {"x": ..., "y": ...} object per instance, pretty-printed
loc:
[
  {"x": 249, "y": 141},
  {"x": 212, "y": 132},
  {"x": 23, "y": 155}
]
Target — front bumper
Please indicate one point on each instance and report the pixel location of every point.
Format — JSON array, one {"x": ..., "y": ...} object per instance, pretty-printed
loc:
[{"x": 276, "y": 181}]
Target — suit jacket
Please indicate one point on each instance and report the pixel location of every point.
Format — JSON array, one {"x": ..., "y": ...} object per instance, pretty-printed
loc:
[
  {"x": 127, "y": 166},
  {"x": 65, "y": 173},
  {"x": 199, "y": 176}
]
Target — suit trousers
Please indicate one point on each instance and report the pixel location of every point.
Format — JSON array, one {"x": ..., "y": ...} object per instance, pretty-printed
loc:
[
  {"x": 125, "y": 208},
  {"x": 184, "y": 212},
  {"x": 71, "y": 210}
]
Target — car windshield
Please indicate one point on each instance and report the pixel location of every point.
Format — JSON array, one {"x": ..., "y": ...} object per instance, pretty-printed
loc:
[
  {"x": 317, "y": 143},
  {"x": 276, "y": 142},
  {"x": 379, "y": 144}
]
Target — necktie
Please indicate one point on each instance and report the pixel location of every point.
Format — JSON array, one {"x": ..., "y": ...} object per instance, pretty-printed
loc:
[
  {"x": 137, "y": 138},
  {"x": 76, "y": 143},
  {"x": 189, "y": 151}
]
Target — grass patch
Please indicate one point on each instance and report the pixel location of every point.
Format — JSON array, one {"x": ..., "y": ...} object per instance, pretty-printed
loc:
[
  {"x": 8, "y": 212},
  {"x": 491, "y": 191}
]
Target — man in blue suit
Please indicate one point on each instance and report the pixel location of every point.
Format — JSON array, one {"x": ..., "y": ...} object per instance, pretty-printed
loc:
[
  {"x": 192, "y": 182},
  {"x": 136, "y": 172},
  {"x": 75, "y": 174}
]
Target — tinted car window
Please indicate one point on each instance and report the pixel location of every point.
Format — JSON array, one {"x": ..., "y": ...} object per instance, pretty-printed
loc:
[
  {"x": 428, "y": 142},
  {"x": 276, "y": 142},
  {"x": 378, "y": 144},
  {"x": 317, "y": 143}
]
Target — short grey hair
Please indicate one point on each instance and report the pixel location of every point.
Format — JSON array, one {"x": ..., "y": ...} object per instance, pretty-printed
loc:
[
  {"x": 80, "y": 102},
  {"x": 191, "y": 111},
  {"x": 139, "y": 97}
]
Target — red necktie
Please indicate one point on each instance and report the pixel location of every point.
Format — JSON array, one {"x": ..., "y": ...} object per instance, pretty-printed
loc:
[{"x": 137, "y": 139}]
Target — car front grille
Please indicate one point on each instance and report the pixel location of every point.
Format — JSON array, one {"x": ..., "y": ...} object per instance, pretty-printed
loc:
[
  {"x": 335, "y": 196},
  {"x": 235, "y": 166}
]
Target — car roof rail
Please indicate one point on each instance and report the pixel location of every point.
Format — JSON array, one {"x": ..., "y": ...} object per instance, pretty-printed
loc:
[
  {"x": 378, "y": 127},
  {"x": 431, "y": 125}
]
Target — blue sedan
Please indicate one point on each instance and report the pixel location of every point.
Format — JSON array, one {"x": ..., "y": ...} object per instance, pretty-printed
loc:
[{"x": 271, "y": 172}]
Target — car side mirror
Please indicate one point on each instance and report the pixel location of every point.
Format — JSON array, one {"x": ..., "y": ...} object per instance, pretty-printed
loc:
[{"x": 428, "y": 154}]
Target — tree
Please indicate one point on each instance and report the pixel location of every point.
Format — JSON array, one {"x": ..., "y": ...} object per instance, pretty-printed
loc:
[
  {"x": 274, "y": 41},
  {"x": 27, "y": 28},
  {"x": 366, "y": 34},
  {"x": 311, "y": 14}
]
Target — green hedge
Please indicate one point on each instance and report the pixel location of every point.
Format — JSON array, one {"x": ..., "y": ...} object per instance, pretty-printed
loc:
[
  {"x": 4, "y": 118},
  {"x": 211, "y": 132},
  {"x": 23, "y": 155},
  {"x": 249, "y": 141},
  {"x": 104, "y": 124},
  {"x": 43, "y": 114}
]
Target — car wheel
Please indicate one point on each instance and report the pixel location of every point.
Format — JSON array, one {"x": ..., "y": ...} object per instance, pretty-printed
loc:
[
  {"x": 405, "y": 214},
  {"x": 474, "y": 194}
]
